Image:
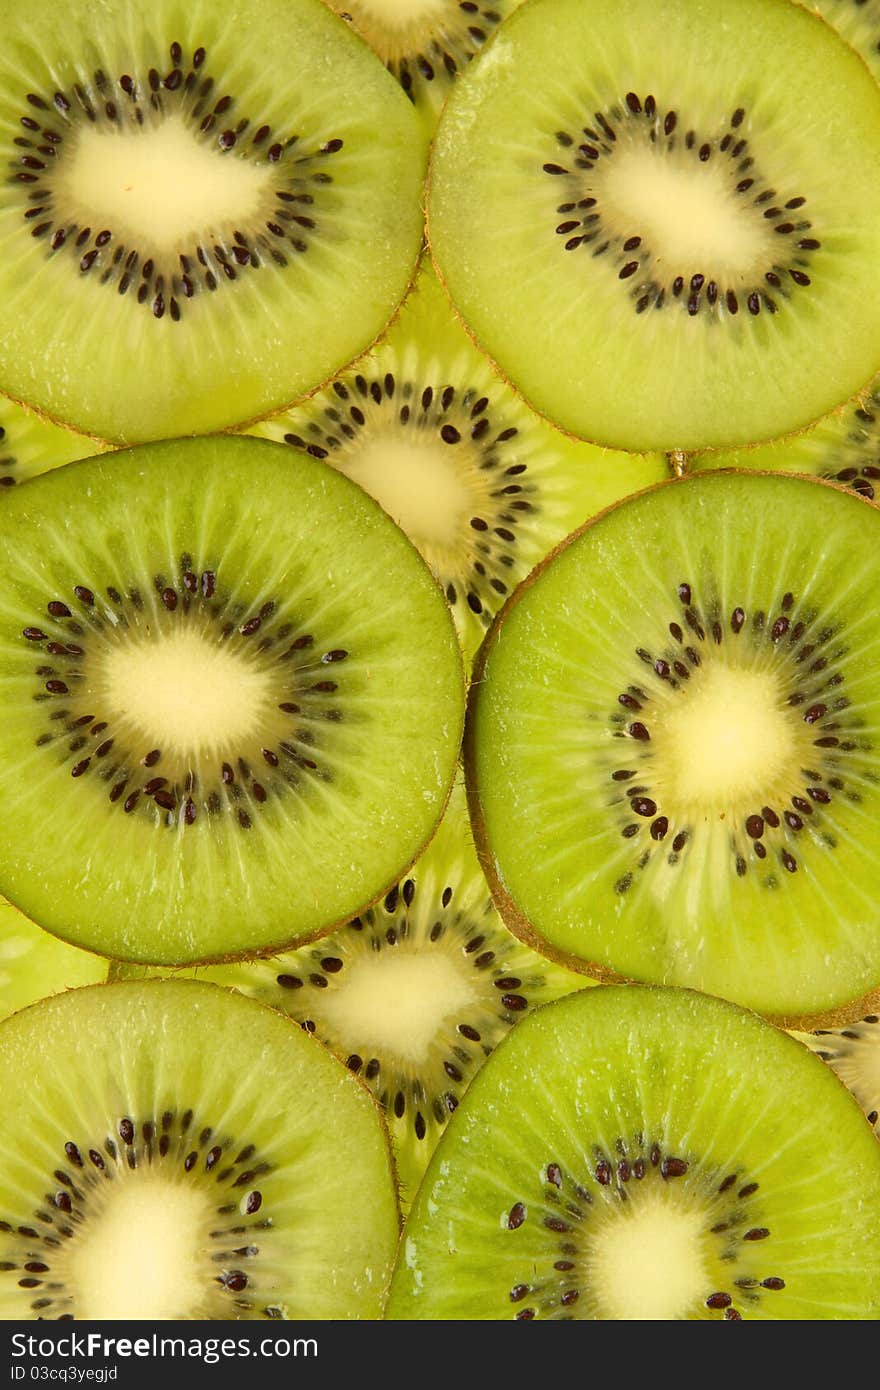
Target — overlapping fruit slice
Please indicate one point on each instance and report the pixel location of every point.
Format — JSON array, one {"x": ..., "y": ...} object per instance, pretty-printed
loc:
[
  {"x": 173, "y": 1151},
  {"x": 204, "y": 214},
  {"x": 675, "y": 744},
  {"x": 481, "y": 484},
  {"x": 644, "y": 1154},
  {"x": 415, "y": 993},
  {"x": 34, "y": 964},
  {"x": 658, "y": 222},
  {"x": 216, "y": 738}
]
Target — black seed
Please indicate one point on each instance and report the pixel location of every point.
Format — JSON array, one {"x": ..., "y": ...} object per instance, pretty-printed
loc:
[
  {"x": 755, "y": 827},
  {"x": 673, "y": 1167},
  {"x": 638, "y": 731},
  {"x": 514, "y": 1002},
  {"x": 516, "y": 1216},
  {"x": 719, "y": 1300},
  {"x": 756, "y": 1233}
]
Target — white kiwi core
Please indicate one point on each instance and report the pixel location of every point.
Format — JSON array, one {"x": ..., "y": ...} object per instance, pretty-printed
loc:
[
  {"x": 142, "y": 1254},
  {"x": 686, "y": 211},
  {"x": 648, "y": 1260},
  {"x": 395, "y": 1004},
  {"x": 160, "y": 186},
  {"x": 186, "y": 691},
  {"x": 418, "y": 482},
  {"x": 725, "y": 741}
]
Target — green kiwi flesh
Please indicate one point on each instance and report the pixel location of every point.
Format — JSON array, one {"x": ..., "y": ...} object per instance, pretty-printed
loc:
[
  {"x": 215, "y": 739},
  {"x": 843, "y": 447},
  {"x": 415, "y": 993},
  {"x": 673, "y": 744},
  {"x": 174, "y": 1151},
  {"x": 30, "y": 445},
  {"x": 195, "y": 235},
  {"x": 34, "y": 964},
  {"x": 426, "y": 43},
  {"x": 645, "y": 1154},
  {"x": 854, "y": 1054},
  {"x": 692, "y": 222},
  {"x": 857, "y": 21},
  {"x": 481, "y": 484}
]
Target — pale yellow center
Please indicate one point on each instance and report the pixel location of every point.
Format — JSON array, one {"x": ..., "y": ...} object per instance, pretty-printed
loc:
[
  {"x": 725, "y": 739},
  {"x": 648, "y": 1260},
  {"x": 417, "y": 483},
  {"x": 185, "y": 692},
  {"x": 859, "y": 1069},
  {"x": 141, "y": 1257},
  {"x": 159, "y": 186},
  {"x": 685, "y": 211},
  {"x": 395, "y": 1004},
  {"x": 397, "y": 14}
]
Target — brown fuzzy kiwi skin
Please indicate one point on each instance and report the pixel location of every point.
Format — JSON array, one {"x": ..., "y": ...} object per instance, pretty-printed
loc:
[
  {"x": 30, "y": 409},
  {"x": 512, "y": 916}
]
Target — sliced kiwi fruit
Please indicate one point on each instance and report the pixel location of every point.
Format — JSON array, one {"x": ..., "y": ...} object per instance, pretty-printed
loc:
[
  {"x": 843, "y": 446},
  {"x": 426, "y": 43},
  {"x": 174, "y": 1151},
  {"x": 34, "y": 964},
  {"x": 480, "y": 483},
  {"x": 645, "y": 1154},
  {"x": 674, "y": 744},
  {"x": 857, "y": 21},
  {"x": 193, "y": 234},
  {"x": 691, "y": 221},
  {"x": 216, "y": 739},
  {"x": 414, "y": 994},
  {"x": 854, "y": 1054},
  {"x": 30, "y": 445}
]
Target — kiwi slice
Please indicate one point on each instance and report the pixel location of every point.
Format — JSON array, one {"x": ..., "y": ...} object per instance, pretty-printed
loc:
[
  {"x": 647, "y": 1154},
  {"x": 426, "y": 43},
  {"x": 215, "y": 738},
  {"x": 174, "y": 1151},
  {"x": 857, "y": 21},
  {"x": 193, "y": 234},
  {"x": 34, "y": 964},
  {"x": 30, "y": 445},
  {"x": 480, "y": 483},
  {"x": 690, "y": 220},
  {"x": 843, "y": 446},
  {"x": 414, "y": 994},
  {"x": 854, "y": 1054},
  {"x": 674, "y": 746}
]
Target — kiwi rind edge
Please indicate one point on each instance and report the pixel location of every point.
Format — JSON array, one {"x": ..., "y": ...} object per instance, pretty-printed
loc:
[{"x": 841, "y": 1015}]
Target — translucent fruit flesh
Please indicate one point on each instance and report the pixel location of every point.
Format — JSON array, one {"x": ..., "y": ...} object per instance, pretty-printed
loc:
[
  {"x": 673, "y": 744},
  {"x": 183, "y": 222},
  {"x": 481, "y": 485},
  {"x": 681, "y": 243},
  {"x": 645, "y": 1154},
  {"x": 216, "y": 740},
  {"x": 203, "y": 1132}
]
